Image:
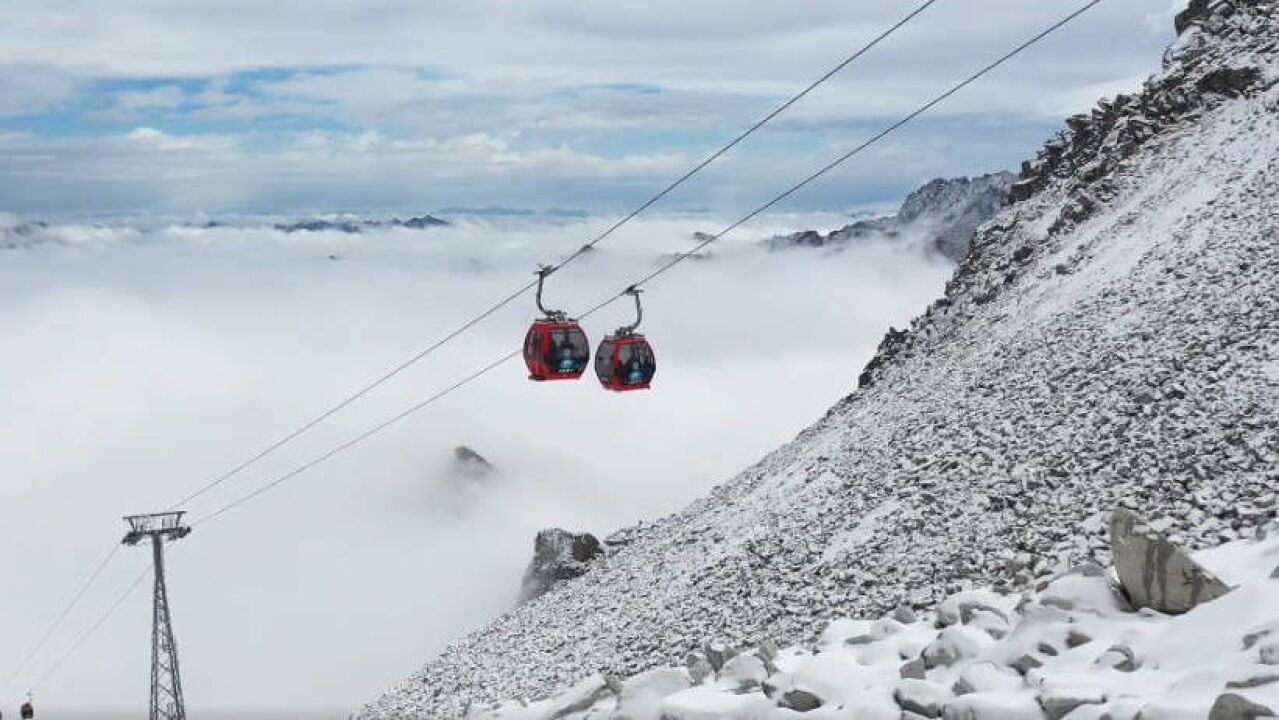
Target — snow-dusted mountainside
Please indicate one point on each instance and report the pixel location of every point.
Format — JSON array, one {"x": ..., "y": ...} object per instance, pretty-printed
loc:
[
  {"x": 942, "y": 215},
  {"x": 1112, "y": 340}
]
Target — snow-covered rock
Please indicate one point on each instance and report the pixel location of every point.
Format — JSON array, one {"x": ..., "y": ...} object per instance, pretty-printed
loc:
[
  {"x": 1199, "y": 669},
  {"x": 1109, "y": 341},
  {"x": 558, "y": 555}
]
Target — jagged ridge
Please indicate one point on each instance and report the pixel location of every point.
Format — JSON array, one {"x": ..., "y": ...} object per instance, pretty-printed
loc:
[{"x": 943, "y": 213}]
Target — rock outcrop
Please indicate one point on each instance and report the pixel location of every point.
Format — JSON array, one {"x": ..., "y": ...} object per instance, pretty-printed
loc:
[
  {"x": 470, "y": 464},
  {"x": 1154, "y": 572},
  {"x": 558, "y": 556},
  {"x": 943, "y": 214}
]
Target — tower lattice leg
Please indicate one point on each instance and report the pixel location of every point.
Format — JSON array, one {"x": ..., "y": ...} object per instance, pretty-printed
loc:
[{"x": 166, "y": 682}]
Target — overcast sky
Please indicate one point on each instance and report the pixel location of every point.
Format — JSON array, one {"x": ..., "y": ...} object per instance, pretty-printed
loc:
[{"x": 188, "y": 106}]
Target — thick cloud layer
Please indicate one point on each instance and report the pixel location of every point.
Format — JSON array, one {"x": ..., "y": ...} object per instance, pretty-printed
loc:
[{"x": 141, "y": 363}]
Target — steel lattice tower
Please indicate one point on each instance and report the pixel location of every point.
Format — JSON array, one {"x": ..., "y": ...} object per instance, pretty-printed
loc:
[{"x": 166, "y": 682}]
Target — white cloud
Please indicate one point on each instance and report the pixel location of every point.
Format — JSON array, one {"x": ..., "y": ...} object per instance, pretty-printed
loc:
[
  {"x": 151, "y": 362},
  {"x": 578, "y": 92}
]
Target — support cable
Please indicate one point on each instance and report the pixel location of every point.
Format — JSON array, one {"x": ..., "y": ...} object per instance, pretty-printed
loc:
[
  {"x": 662, "y": 269},
  {"x": 62, "y": 616},
  {"x": 508, "y": 299},
  {"x": 97, "y": 625}
]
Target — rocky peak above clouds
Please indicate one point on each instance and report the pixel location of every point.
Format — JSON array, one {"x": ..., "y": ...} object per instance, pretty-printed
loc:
[{"x": 941, "y": 215}]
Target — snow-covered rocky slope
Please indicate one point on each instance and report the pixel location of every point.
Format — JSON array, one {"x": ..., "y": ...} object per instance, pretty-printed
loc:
[
  {"x": 1112, "y": 340},
  {"x": 941, "y": 216},
  {"x": 1074, "y": 648}
]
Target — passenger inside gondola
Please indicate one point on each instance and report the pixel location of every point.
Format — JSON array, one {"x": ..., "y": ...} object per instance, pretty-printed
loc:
[{"x": 568, "y": 352}]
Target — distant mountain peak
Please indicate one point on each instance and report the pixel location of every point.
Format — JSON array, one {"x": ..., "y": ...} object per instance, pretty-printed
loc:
[
  {"x": 359, "y": 225},
  {"x": 943, "y": 212}
]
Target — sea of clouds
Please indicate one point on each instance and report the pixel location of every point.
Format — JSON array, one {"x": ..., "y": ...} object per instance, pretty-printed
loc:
[{"x": 141, "y": 360}]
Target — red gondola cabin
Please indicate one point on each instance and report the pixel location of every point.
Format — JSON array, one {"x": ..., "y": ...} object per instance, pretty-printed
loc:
[
  {"x": 556, "y": 350},
  {"x": 625, "y": 363}
]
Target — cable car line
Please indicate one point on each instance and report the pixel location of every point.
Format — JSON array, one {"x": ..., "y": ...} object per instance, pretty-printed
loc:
[
  {"x": 633, "y": 287},
  {"x": 860, "y": 148},
  {"x": 629, "y": 290},
  {"x": 508, "y": 299},
  {"x": 133, "y": 587},
  {"x": 747, "y": 133},
  {"x": 350, "y": 398},
  {"x": 62, "y": 617},
  {"x": 355, "y": 440}
]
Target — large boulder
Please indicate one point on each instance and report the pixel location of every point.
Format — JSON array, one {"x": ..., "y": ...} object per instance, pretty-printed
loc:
[
  {"x": 1154, "y": 572},
  {"x": 558, "y": 555},
  {"x": 1231, "y": 706}
]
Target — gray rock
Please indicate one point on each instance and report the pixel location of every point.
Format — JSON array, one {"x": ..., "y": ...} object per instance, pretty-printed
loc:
[
  {"x": 913, "y": 669},
  {"x": 767, "y": 651},
  {"x": 1253, "y": 638},
  {"x": 1025, "y": 664},
  {"x": 558, "y": 555},
  {"x": 922, "y": 697},
  {"x": 1087, "y": 569},
  {"x": 1075, "y": 638},
  {"x": 1057, "y": 704},
  {"x": 1154, "y": 572},
  {"x": 583, "y": 703},
  {"x": 1274, "y": 575},
  {"x": 613, "y": 683},
  {"x": 1237, "y": 707},
  {"x": 969, "y": 610},
  {"x": 1269, "y": 654},
  {"x": 699, "y": 670},
  {"x": 468, "y": 463},
  {"x": 718, "y": 654},
  {"x": 799, "y": 700},
  {"x": 1252, "y": 682},
  {"x": 952, "y": 645},
  {"x": 904, "y": 615},
  {"x": 1120, "y": 657}
]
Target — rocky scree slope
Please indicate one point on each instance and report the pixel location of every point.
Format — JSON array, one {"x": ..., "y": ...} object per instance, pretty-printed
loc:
[
  {"x": 942, "y": 215},
  {"x": 1074, "y": 648},
  {"x": 1112, "y": 340}
]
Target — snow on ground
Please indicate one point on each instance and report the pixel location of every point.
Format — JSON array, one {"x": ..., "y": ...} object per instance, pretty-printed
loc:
[{"x": 1071, "y": 650}]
